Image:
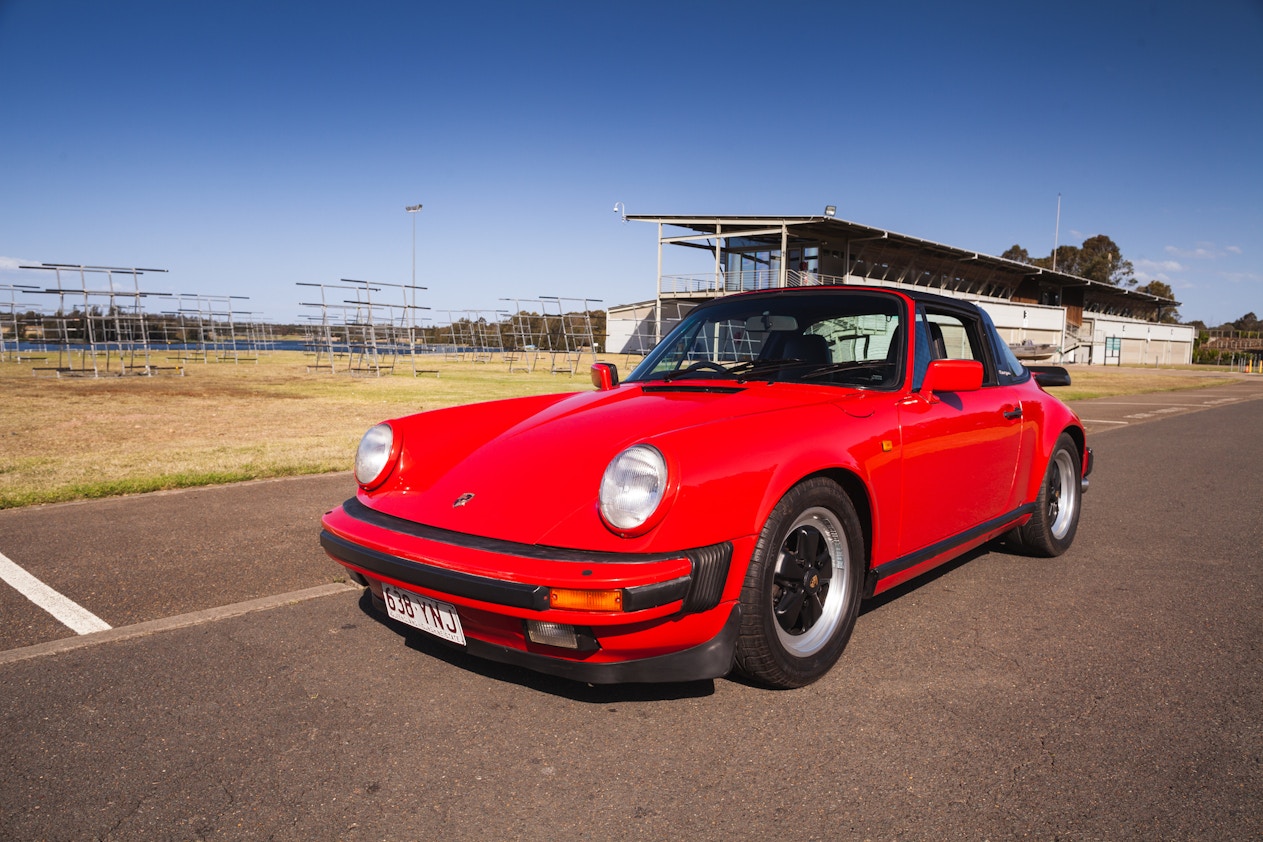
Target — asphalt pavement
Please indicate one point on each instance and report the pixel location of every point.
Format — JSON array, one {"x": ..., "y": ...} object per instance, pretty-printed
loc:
[{"x": 242, "y": 692}]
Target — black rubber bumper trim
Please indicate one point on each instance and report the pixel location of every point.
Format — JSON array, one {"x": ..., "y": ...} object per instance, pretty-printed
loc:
[
  {"x": 495, "y": 591},
  {"x": 700, "y": 590},
  {"x": 659, "y": 593},
  {"x": 712, "y": 659},
  {"x": 899, "y": 565}
]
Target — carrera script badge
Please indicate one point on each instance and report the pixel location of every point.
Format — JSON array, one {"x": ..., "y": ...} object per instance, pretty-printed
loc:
[{"x": 462, "y": 500}]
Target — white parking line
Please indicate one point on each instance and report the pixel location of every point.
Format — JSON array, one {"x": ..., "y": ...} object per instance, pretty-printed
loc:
[
  {"x": 195, "y": 618},
  {"x": 1102, "y": 421},
  {"x": 1162, "y": 403},
  {"x": 75, "y": 617}
]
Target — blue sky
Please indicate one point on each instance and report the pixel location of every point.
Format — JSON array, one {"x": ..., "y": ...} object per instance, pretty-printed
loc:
[{"x": 249, "y": 146}]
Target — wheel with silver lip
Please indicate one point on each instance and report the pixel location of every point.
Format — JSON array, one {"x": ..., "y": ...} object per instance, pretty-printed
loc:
[
  {"x": 1051, "y": 530},
  {"x": 802, "y": 588}
]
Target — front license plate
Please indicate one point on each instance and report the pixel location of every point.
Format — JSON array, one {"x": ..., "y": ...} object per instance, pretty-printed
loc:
[{"x": 429, "y": 615}]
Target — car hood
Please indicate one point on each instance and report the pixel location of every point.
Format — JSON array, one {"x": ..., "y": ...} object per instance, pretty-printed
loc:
[{"x": 528, "y": 470}]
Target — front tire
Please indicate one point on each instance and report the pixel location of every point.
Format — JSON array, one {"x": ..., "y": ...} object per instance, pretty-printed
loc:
[
  {"x": 1051, "y": 530},
  {"x": 803, "y": 587}
]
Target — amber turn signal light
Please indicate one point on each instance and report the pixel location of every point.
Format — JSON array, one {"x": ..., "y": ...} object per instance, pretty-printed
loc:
[{"x": 577, "y": 600}]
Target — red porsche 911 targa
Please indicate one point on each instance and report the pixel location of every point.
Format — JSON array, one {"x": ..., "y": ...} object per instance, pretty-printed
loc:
[{"x": 777, "y": 458}]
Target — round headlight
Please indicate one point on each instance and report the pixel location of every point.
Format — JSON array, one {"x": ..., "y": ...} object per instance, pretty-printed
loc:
[
  {"x": 633, "y": 487},
  {"x": 372, "y": 459}
]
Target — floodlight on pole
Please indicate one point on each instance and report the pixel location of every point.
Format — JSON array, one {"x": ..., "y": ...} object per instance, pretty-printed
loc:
[
  {"x": 414, "y": 210},
  {"x": 830, "y": 210}
]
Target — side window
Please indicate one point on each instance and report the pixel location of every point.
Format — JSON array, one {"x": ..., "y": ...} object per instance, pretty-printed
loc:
[
  {"x": 951, "y": 339},
  {"x": 1009, "y": 369},
  {"x": 942, "y": 335}
]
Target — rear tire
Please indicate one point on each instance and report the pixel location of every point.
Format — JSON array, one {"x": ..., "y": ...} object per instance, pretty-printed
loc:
[
  {"x": 1051, "y": 530},
  {"x": 803, "y": 587}
]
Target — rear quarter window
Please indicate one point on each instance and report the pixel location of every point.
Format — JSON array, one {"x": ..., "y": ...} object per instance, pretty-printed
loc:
[{"x": 1009, "y": 368}]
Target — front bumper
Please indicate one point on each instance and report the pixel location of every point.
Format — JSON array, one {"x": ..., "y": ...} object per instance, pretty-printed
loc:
[
  {"x": 711, "y": 659},
  {"x": 674, "y": 623}
]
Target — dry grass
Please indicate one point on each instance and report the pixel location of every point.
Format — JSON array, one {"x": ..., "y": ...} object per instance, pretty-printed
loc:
[
  {"x": 1100, "y": 381},
  {"x": 82, "y": 437},
  {"x": 79, "y": 437}
]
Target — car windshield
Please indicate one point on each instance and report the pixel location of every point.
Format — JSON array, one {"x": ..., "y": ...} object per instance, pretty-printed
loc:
[{"x": 839, "y": 337}]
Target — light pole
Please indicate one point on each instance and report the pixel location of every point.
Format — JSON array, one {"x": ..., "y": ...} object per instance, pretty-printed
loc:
[
  {"x": 1057, "y": 233},
  {"x": 414, "y": 209}
]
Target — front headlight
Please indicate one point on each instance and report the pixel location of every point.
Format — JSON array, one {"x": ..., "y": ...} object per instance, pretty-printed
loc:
[
  {"x": 374, "y": 456},
  {"x": 633, "y": 487}
]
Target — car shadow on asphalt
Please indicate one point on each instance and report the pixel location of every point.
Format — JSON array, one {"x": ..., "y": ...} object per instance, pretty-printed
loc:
[{"x": 577, "y": 691}]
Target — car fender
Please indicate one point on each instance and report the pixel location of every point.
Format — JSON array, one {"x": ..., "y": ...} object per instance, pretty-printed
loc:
[{"x": 1057, "y": 418}]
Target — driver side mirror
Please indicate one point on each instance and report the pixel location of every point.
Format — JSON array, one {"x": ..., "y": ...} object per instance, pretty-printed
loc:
[{"x": 951, "y": 376}]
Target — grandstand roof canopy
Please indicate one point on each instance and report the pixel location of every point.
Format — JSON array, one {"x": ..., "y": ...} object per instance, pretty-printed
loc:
[{"x": 914, "y": 260}]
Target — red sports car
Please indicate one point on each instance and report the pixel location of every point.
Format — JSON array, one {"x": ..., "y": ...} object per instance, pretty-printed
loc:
[{"x": 777, "y": 458}]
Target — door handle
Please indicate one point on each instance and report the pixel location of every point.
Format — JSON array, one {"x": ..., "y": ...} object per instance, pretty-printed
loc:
[{"x": 1014, "y": 413}]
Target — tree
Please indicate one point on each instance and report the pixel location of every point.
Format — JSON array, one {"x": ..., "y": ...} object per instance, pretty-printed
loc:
[
  {"x": 1067, "y": 260},
  {"x": 1102, "y": 260},
  {"x": 1017, "y": 253},
  {"x": 1157, "y": 288},
  {"x": 1169, "y": 315},
  {"x": 1098, "y": 259}
]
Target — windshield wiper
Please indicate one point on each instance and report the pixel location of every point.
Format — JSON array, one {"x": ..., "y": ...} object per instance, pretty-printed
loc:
[
  {"x": 752, "y": 370},
  {"x": 833, "y": 368},
  {"x": 702, "y": 366},
  {"x": 743, "y": 372}
]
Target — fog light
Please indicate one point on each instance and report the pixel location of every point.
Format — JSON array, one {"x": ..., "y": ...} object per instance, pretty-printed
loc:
[
  {"x": 577, "y": 600},
  {"x": 552, "y": 634}
]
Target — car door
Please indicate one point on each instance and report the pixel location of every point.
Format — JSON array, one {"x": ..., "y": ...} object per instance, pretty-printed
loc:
[{"x": 960, "y": 450}]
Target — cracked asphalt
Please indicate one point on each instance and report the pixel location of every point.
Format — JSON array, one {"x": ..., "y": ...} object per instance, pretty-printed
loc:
[{"x": 1115, "y": 692}]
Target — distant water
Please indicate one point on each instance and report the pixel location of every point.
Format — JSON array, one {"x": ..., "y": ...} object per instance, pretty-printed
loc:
[{"x": 159, "y": 348}]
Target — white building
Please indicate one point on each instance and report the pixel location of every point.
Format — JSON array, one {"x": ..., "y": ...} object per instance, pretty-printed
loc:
[{"x": 1045, "y": 315}]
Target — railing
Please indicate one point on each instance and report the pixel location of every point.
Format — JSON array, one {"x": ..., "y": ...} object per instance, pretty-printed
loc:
[
  {"x": 1074, "y": 338},
  {"x": 1236, "y": 343},
  {"x": 1234, "y": 340},
  {"x": 686, "y": 284},
  {"x": 726, "y": 282}
]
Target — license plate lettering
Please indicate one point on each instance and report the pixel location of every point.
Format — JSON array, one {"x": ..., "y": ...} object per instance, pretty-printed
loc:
[{"x": 429, "y": 615}]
